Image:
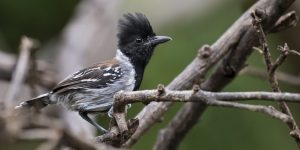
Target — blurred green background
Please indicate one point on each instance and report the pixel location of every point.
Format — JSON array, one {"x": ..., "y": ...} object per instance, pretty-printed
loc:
[{"x": 219, "y": 128}]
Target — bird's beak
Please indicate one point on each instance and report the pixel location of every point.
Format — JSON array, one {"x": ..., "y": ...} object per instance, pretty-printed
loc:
[{"x": 159, "y": 39}]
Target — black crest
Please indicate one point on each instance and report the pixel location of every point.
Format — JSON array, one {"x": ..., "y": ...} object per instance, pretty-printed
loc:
[{"x": 133, "y": 25}]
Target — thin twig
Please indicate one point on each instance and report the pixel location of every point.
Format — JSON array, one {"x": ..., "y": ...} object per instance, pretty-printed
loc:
[
  {"x": 269, "y": 110},
  {"x": 33, "y": 74},
  {"x": 281, "y": 76},
  {"x": 295, "y": 52},
  {"x": 12, "y": 122},
  {"x": 46, "y": 76},
  {"x": 61, "y": 135},
  {"x": 284, "y": 53},
  {"x": 271, "y": 68},
  {"x": 19, "y": 74},
  {"x": 286, "y": 21}
]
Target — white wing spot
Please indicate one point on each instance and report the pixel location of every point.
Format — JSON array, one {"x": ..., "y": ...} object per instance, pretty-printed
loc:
[
  {"x": 106, "y": 74},
  {"x": 89, "y": 80},
  {"x": 107, "y": 69},
  {"x": 78, "y": 75}
]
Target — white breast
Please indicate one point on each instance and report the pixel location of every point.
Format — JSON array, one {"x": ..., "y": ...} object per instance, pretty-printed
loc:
[{"x": 128, "y": 69}]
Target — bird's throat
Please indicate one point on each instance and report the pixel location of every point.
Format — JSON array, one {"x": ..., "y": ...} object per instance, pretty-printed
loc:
[{"x": 137, "y": 65}]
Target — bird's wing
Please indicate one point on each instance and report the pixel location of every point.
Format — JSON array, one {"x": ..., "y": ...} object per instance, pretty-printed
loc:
[{"x": 97, "y": 76}]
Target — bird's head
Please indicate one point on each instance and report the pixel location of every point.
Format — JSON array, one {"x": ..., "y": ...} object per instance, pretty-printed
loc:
[{"x": 136, "y": 38}]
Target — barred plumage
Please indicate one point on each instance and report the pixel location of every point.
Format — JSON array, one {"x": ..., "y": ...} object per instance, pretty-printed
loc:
[{"x": 91, "y": 90}]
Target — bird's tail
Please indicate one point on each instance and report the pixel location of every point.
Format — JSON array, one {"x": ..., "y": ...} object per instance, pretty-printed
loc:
[{"x": 37, "y": 102}]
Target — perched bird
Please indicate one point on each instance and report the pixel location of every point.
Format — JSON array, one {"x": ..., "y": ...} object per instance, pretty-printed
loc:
[{"x": 91, "y": 90}]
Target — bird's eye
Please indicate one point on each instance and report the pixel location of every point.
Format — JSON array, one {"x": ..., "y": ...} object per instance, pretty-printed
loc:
[{"x": 138, "y": 40}]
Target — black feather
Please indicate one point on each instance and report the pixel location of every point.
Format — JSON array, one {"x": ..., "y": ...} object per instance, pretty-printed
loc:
[
  {"x": 37, "y": 102},
  {"x": 91, "y": 78},
  {"x": 133, "y": 25}
]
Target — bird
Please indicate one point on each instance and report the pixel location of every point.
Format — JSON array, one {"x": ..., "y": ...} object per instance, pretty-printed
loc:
[{"x": 91, "y": 90}]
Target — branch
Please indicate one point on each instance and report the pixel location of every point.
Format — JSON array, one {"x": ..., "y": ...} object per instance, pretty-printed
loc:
[
  {"x": 50, "y": 130},
  {"x": 40, "y": 126},
  {"x": 271, "y": 68},
  {"x": 125, "y": 98},
  {"x": 286, "y": 21},
  {"x": 208, "y": 98},
  {"x": 63, "y": 137},
  {"x": 45, "y": 71},
  {"x": 269, "y": 110},
  {"x": 171, "y": 136},
  {"x": 26, "y": 48},
  {"x": 115, "y": 137},
  {"x": 281, "y": 76},
  {"x": 77, "y": 143}
]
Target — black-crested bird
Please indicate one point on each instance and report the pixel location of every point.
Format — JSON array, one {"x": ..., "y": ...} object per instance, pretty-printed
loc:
[{"x": 91, "y": 90}]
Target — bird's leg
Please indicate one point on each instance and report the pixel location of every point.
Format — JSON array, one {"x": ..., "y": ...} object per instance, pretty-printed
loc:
[{"x": 85, "y": 116}]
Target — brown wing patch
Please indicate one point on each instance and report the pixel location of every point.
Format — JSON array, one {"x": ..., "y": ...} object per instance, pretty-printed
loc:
[{"x": 106, "y": 63}]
